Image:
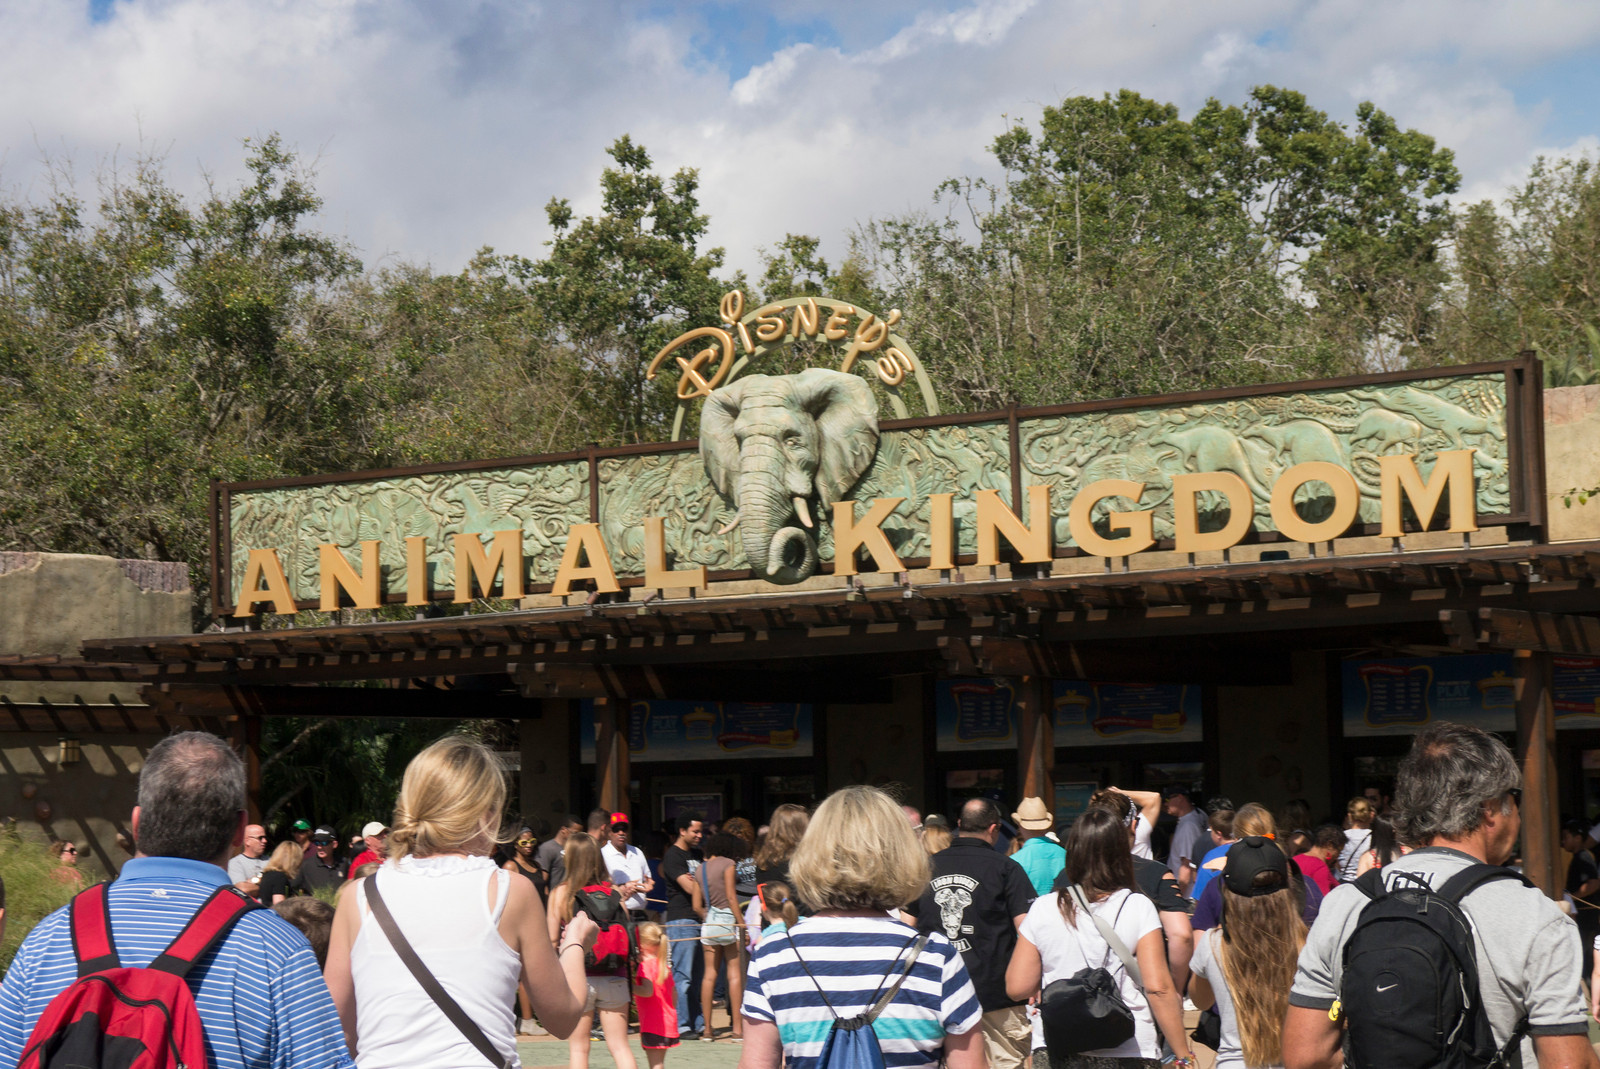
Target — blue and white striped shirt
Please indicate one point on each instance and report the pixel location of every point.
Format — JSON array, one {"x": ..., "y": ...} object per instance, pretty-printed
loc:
[
  {"x": 262, "y": 1000},
  {"x": 850, "y": 956}
]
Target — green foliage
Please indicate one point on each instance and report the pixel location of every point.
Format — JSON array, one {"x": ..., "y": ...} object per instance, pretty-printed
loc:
[
  {"x": 1128, "y": 250},
  {"x": 31, "y": 889},
  {"x": 619, "y": 286}
]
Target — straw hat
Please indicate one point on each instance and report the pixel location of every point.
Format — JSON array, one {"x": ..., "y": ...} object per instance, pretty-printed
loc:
[{"x": 1033, "y": 815}]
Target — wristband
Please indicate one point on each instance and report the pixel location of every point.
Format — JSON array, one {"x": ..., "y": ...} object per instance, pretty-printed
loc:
[{"x": 566, "y": 947}]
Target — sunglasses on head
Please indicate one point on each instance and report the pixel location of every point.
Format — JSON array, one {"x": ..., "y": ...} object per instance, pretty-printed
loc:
[{"x": 323, "y": 842}]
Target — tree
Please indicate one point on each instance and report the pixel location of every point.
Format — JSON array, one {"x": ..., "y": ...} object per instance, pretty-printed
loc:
[
  {"x": 617, "y": 287},
  {"x": 1128, "y": 250}
]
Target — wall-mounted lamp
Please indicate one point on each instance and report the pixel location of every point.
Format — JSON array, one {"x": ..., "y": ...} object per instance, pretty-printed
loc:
[{"x": 69, "y": 751}]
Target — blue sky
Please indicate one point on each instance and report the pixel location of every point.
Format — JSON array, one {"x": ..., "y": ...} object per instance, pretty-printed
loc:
[{"x": 439, "y": 128}]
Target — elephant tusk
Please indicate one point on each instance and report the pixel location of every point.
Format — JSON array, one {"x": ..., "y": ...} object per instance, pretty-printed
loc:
[
  {"x": 731, "y": 523},
  {"x": 802, "y": 510}
]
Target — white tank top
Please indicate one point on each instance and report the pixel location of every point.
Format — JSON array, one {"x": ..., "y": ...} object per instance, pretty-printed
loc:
[
  {"x": 441, "y": 904},
  {"x": 1141, "y": 839}
]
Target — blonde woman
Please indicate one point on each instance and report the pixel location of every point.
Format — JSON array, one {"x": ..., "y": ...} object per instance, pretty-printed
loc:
[
  {"x": 1357, "y": 836},
  {"x": 475, "y": 928},
  {"x": 281, "y": 876},
  {"x": 1246, "y": 967},
  {"x": 607, "y": 987},
  {"x": 859, "y": 864}
]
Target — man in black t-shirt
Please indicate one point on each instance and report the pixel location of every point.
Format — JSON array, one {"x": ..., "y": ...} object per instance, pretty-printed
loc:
[
  {"x": 322, "y": 869},
  {"x": 680, "y": 865},
  {"x": 978, "y": 898}
]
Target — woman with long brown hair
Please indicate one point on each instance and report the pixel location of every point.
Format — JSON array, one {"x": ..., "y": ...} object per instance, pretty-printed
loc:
[
  {"x": 1056, "y": 942},
  {"x": 784, "y": 832},
  {"x": 1246, "y": 967},
  {"x": 610, "y": 993}
]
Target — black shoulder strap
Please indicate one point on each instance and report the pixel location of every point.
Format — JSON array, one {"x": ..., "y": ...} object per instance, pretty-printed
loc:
[
  {"x": 1473, "y": 877},
  {"x": 209, "y": 926},
  {"x": 458, "y": 1017},
  {"x": 1370, "y": 883},
  {"x": 877, "y": 1004}
]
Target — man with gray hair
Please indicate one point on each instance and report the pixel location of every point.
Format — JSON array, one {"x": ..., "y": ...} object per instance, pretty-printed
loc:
[
  {"x": 259, "y": 991},
  {"x": 1457, "y": 801}
]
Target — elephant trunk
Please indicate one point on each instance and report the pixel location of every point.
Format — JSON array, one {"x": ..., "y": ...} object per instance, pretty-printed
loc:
[{"x": 777, "y": 550}]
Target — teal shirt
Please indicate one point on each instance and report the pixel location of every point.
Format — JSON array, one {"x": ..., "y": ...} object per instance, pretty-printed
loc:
[{"x": 1043, "y": 861}]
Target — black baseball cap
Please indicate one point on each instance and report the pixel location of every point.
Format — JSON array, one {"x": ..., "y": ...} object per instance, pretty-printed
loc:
[{"x": 1249, "y": 858}]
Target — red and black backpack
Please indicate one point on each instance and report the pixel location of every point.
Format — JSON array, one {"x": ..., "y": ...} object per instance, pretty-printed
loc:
[
  {"x": 114, "y": 1017},
  {"x": 614, "y": 947}
]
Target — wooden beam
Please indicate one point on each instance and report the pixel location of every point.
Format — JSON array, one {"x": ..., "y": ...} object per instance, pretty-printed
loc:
[
  {"x": 408, "y": 703},
  {"x": 1543, "y": 631},
  {"x": 1036, "y": 750},
  {"x": 1536, "y": 745}
]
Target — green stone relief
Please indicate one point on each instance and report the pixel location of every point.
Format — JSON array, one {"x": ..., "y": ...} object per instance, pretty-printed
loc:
[
  {"x": 543, "y": 500},
  {"x": 911, "y": 464},
  {"x": 1259, "y": 438}
]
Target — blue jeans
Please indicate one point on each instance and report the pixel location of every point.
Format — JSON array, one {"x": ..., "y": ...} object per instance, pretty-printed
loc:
[{"x": 687, "y": 968}]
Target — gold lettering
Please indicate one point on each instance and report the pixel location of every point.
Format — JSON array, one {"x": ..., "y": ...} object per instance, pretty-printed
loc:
[
  {"x": 732, "y": 306},
  {"x": 585, "y": 539},
  {"x": 1346, "y": 501},
  {"x": 1398, "y": 478},
  {"x": 264, "y": 565},
  {"x": 336, "y": 572},
  {"x": 692, "y": 384},
  {"x": 416, "y": 570},
  {"x": 994, "y": 519},
  {"x": 656, "y": 572},
  {"x": 505, "y": 551},
  {"x": 769, "y": 324},
  {"x": 1139, "y": 525},
  {"x": 806, "y": 318},
  {"x": 744, "y": 338},
  {"x": 941, "y": 531},
  {"x": 834, "y": 328},
  {"x": 1188, "y": 538},
  {"x": 849, "y": 536}
]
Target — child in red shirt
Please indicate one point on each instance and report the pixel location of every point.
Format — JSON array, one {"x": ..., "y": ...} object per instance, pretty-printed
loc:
[{"x": 655, "y": 996}]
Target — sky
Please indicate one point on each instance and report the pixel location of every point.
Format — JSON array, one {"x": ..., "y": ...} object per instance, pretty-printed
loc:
[{"x": 438, "y": 128}]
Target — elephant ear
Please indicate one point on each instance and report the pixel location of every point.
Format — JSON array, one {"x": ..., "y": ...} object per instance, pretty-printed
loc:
[
  {"x": 718, "y": 446},
  {"x": 847, "y": 424}
]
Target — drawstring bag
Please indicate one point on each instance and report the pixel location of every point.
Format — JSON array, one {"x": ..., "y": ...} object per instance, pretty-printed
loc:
[
  {"x": 852, "y": 1042},
  {"x": 1085, "y": 1011}
]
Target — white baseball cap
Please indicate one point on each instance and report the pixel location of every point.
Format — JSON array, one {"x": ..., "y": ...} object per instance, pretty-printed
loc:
[{"x": 373, "y": 827}]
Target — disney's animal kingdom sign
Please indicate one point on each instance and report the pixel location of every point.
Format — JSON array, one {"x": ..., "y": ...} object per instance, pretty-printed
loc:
[{"x": 794, "y": 477}]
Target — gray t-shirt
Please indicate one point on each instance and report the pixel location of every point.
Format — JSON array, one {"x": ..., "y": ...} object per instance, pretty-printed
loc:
[
  {"x": 1192, "y": 827},
  {"x": 1205, "y": 965},
  {"x": 241, "y": 868},
  {"x": 1529, "y": 961},
  {"x": 548, "y": 857}
]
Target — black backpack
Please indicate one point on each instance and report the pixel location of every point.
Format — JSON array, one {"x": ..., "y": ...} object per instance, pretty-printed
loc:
[{"x": 1409, "y": 992}]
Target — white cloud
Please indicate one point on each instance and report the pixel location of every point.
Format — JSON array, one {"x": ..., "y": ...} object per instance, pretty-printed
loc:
[{"x": 441, "y": 128}]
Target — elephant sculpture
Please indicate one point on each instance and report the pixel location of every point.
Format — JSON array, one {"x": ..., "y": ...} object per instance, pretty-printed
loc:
[{"x": 774, "y": 443}]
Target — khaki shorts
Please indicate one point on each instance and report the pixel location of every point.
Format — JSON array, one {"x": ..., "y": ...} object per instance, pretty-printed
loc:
[{"x": 607, "y": 993}]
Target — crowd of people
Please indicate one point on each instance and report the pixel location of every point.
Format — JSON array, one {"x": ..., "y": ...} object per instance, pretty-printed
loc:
[{"x": 979, "y": 938}]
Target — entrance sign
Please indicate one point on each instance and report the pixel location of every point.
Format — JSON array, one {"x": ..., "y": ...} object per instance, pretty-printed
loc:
[
  {"x": 702, "y": 731},
  {"x": 1105, "y": 714},
  {"x": 1194, "y": 473}
]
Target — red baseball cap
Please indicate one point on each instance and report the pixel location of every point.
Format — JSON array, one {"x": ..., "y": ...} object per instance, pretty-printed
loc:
[{"x": 619, "y": 818}]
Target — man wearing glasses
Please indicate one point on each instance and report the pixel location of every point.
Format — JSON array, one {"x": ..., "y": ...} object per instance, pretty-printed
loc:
[
  {"x": 630, "y": 872},
  {"x": 1458, "y": 800},
  {"x": 244, "y": 868},
  {"x": 322, "y": 869}
]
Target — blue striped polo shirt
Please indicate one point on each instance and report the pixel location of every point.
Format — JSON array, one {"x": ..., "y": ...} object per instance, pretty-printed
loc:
[
  {"x": 262, "y": 1000},
  {"x": 850, "y": 956}
]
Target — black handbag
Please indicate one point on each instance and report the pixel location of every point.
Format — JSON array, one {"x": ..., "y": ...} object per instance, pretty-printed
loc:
[{"x": 1085, "y": 1011}]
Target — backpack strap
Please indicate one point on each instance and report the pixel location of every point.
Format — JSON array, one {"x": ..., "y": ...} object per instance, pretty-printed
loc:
[
  {"x": 208, "y": 927},
  {"x": 1370, "y": 883},
  {"x": 888, "y": 996},
  {"x": 916, "y": 943},
  {"x": 1109, "y": 934},
  {"x": 90, "y": 919},
  {"x": 1473, "y": 877}
]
